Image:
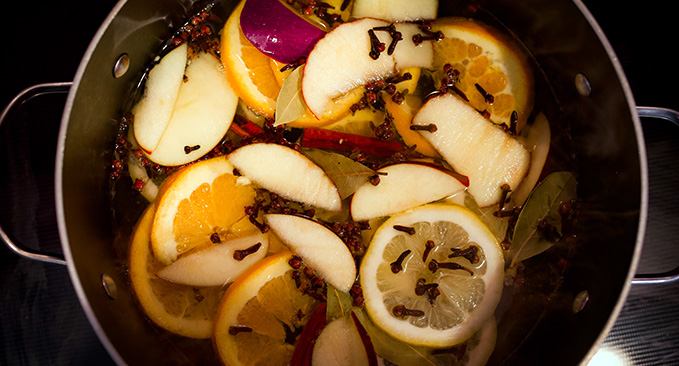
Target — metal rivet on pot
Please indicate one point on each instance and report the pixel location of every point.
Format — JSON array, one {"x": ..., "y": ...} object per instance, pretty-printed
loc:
[
  {"x": 110, "y": 286},
  {"x": 582, "y": 85},
  {"x": 121, "y": 65},
  {"x": 580, "y": 301}
]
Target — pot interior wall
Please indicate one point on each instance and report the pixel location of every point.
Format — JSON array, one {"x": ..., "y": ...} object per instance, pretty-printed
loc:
[
  {"x": 96, "y": 234},
  {"x": 598, "y": 134},
  {"x": 595, "y": 134}
]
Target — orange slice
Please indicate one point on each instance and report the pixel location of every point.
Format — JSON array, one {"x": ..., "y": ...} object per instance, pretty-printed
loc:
[
  {"x": 180, "y": 309},
  {"x": 200, "y": 205},
  {"x": 247, "y": 69},
  {"x": 260, "y": 315},
  {"x": 486, "y": 57}
]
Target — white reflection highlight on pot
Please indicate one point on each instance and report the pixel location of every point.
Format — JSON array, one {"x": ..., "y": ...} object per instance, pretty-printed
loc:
[{"x": 609, "y": 355}]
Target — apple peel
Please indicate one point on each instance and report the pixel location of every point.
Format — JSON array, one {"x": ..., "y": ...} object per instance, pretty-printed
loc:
[
  {"x": 340, "y": 344},
  {"x": 396, "y": 10},
  {"x": 277, "y": 31},
  {"x": 287, "y": 172},
  {"x": 341, "y": 62},
  {"x": 403, "y": 186}
]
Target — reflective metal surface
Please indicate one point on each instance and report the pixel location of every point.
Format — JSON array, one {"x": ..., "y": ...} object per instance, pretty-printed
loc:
[{"x": 41, "y": 319}]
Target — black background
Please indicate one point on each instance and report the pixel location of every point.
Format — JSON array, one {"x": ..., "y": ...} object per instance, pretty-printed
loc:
[{"x": 43, "y": 41}]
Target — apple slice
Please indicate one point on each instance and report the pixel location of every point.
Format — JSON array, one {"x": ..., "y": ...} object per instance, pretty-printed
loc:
[
  {"x": 474, "y": 146},
  {"x": 340, "y": 344},
  {"x": 537, "y": 138},
  {"x": 304, "y": 345},
  {"x": 152, "y": 113},
  {"x": 277, "y": 31},
  {"x": 407, "y": 54},
  {"x": 396, "y": 10},
  {"x": 318, "y": 247},
  {"x": 219, "y": 264},
  {"x": 203, "y": 111},
  {"x": 288, "y": 173},
  {"x": 402, "y": 186},
  {"x": 341, "y": 61}
]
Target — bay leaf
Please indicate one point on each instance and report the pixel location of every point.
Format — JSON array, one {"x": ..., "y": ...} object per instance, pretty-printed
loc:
[
  {"x": 290, "y": 103},
  {"x": 542, "y": 204},
  {"x": 394, "y": 350},
  {"x": 347, "y": 174},
  {"x": 338, "y": 304},
  {"x": 497, "y": 225}
]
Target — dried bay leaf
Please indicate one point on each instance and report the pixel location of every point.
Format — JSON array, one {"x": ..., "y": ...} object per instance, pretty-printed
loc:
[
  {"x": 347, "y": 174},
  {"x": 496, "y": 225},
  {"x": 542, "y": 204},
  {"x": 338, "y": 304},
  {"x": 394, "y": 350},
  {"x": 290, "y": 103}
]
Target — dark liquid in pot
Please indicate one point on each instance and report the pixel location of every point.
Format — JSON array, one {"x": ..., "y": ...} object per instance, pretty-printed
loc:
[{"x": 527, "y": 291}]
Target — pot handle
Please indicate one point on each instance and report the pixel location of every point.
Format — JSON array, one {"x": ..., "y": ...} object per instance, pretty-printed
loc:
[
  {"x": 673, "y": 275},
  {"x": 13, "y": 107}
]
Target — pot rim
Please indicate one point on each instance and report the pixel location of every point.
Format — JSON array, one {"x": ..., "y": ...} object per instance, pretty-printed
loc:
[
  {"x": 58, "y": 186},
  {"x": 643, "y": 168},
  {"x": 80, "y": 292}
]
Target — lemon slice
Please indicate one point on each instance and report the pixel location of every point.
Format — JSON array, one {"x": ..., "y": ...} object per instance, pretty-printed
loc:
[
  {"x": 444, "y": 299},
  {"x": 183, "y": 310},
  {"x": 200, "y": 205},
  {"x": 261, "y": 314}
]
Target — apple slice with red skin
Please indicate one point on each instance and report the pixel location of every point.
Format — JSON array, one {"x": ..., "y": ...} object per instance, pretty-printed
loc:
[
  {"x": 318, "y": 246},
  {"x": 339, "y": 344},
  {"x": 403, "y": 186},
  {"x": 287, "y": 172},
  {"x": 306, "y": 342},
  {"x": 277, "y": 31},
  {"x": 396, "y": 10},
  {"x": 341, "y": 61},
  {"x": 367, "y": 342},
  {"x": 304, "y": 345},
  {"x": 349, "y": 57},
  {"x": 474, "y": 146}
]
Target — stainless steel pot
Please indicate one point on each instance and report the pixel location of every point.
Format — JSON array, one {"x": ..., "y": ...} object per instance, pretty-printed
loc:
[{"x": 555, "y": 319}]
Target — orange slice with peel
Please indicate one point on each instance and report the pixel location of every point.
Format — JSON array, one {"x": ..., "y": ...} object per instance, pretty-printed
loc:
[
  {"x": 180, "y": 309},
  {"x": 200, "y": 205},
  {"x": 403, "y": 115},
  {"x": 490, "y": 59},
  {"x": 261, "y": 315},
  {"x": 247, "y": 69}
]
